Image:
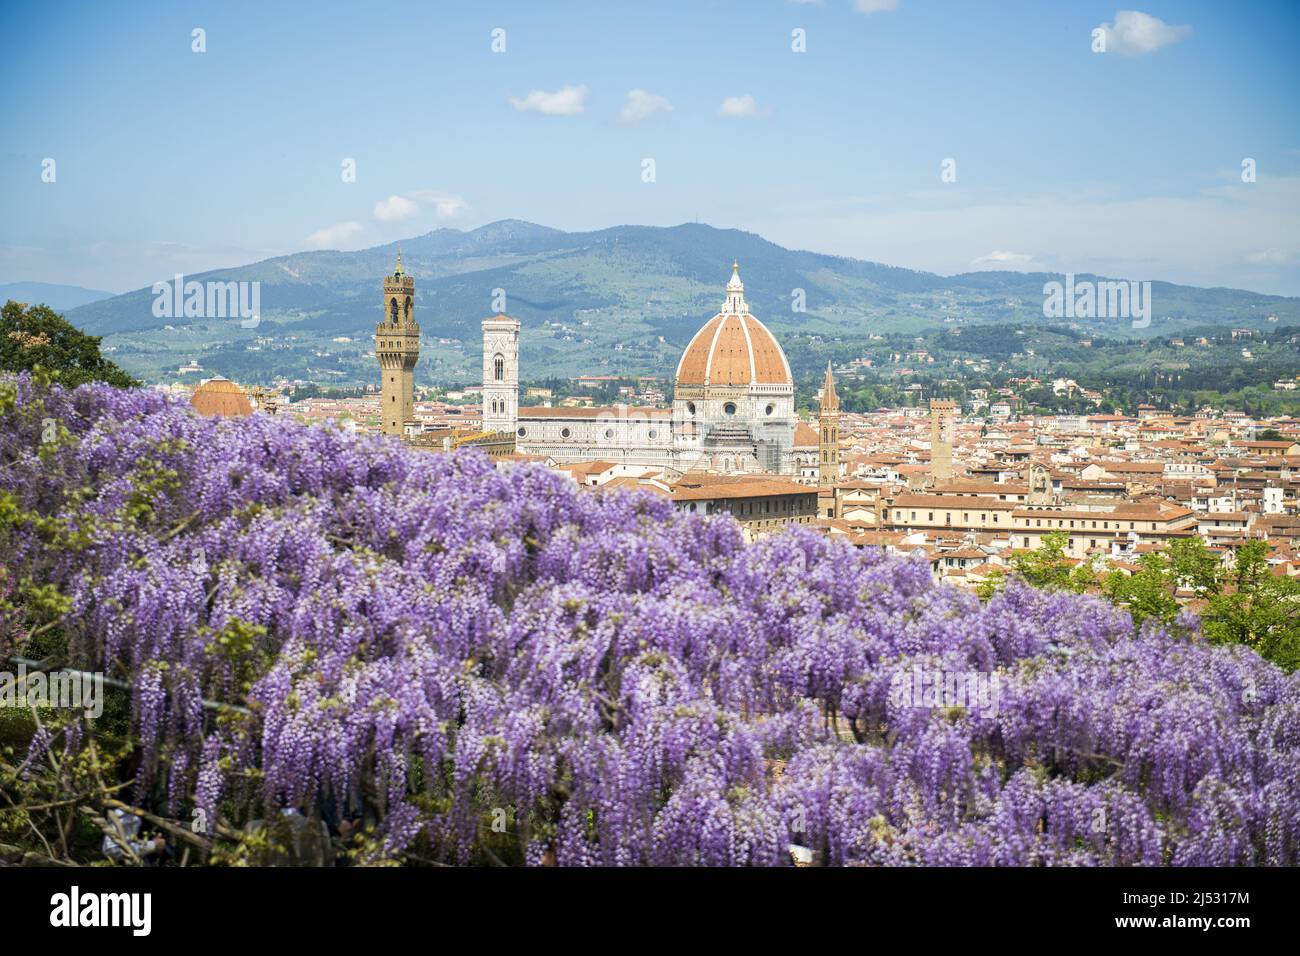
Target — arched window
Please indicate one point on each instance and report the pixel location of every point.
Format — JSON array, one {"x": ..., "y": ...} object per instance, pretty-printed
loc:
[
  {"x": 408, "y": 308},
  {"x": 392, "y": 309},
  {"x": 499, "y": 367}
]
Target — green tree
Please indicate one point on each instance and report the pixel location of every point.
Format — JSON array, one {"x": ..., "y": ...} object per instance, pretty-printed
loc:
[
  {"x": 1247, "y": 605},
  {"x": 1259, "y": 610},
  {"x": 1149, "y": 592},
  {"x": 991, "y": 585},
  {"x": 1193, "y": 566},
  {"x": 38, "y": 337},
  {"x": 1048, "y": 567}
]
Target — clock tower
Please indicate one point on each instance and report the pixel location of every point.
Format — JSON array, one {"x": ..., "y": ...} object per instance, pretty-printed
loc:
[{"x": 397, "y": 347}]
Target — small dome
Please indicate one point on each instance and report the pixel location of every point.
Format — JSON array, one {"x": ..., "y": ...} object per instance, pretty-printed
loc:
[{"x": 220, "y": 396}]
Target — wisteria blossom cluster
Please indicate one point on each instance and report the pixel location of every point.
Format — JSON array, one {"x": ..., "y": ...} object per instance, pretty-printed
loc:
[{"x": 466, "y": 643}]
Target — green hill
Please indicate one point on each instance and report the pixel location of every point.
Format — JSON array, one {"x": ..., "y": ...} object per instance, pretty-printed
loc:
[
  {"x": 51, "y": 294},
  {"x": 625, "y": 299}
]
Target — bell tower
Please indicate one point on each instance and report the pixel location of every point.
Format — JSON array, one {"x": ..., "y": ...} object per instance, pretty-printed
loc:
[
  {"x": 500, "y": 373},
  {"x": 397, "y": 347},
  {"x": 828, "y": 458},
  {"x": 943, "y": 418}
]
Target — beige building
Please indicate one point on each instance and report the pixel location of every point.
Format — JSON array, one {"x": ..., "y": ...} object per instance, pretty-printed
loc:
[
  {"x": 1091, "y": 530},
  {"x": 493, "y": 444},
  {"x": 948, "y": 512},
  {"x": 761, "y": 505}
]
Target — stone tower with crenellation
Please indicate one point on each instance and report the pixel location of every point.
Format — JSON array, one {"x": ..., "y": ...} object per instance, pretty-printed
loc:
[
  {"x": 943, "y": 423},
  {"x": 397, "y": 347},
  {"x": 828, "y": 457}
]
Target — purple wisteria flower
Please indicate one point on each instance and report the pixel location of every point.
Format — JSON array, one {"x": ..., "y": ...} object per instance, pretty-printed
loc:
[{"x": 459, "y": 644}]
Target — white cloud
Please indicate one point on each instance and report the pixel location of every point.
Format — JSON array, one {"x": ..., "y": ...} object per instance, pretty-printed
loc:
[
  {"x": 395, "y": 209},
  {"x": 1270, "y": 257},
  {"x": 875, "y": 6},
  {"x": 334, "y": 235},
  {"x": 742, "y": 106},
  {"x": 999, "y": 259},
  {"x": 563, "y": 102},
  {"x": 1134, "y": 33},
  {"x": 445, "y": 205},
  {"x": 641, "y": 105},
  {"x": 400, "y": 208}
]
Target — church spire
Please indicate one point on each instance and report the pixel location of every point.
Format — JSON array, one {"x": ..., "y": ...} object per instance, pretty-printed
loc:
[
  {"x": 830, "y": 401},
  {"x": 828, "y": 445},
  {"x": 398, "y": 270}
]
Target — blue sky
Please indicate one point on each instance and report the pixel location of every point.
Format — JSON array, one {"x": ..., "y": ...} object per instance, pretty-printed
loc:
[{"x": 1126, "y": 163}]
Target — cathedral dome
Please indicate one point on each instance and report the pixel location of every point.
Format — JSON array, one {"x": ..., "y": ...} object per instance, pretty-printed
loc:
[{"x": 734, "y": 348}]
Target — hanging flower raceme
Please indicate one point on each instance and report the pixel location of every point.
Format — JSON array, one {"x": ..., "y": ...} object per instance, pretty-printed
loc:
[{"x": 487, "y": 662}]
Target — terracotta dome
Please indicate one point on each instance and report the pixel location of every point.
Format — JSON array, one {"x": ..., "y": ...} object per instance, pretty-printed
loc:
[
  {"x": 220, "y": 396},
  {"x": 734, "y": 348}
]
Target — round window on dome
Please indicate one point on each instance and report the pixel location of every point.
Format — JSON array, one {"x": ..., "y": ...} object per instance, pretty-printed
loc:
[
  {"x": 729, "y": 408},
  {"x": 609, "y": 433},
  {"x": 770, "y": 408},
  {"x": 522, "y": 432},
  {"x": 565, "y": 433},
  {"x": 651, "y": 434},
  {"x": 690, "y": 408}
]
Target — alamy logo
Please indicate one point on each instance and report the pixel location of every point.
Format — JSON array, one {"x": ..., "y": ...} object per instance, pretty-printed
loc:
[
  {"x": 103, "y": 909},
  {"x": 70, "y": 690},
  {"x": 208, "y": 300},
  {"x": 977, "y": 691},
  {"x": 1098, "y": 300}
]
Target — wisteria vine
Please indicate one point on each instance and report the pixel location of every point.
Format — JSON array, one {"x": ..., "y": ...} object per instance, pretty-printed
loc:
[{"x": 628, "y": 686}]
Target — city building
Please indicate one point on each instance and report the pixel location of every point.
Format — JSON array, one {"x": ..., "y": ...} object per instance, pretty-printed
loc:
[
  {"x": 761, "y": 504},
  {"x": 397, "y": 349},
  {"x": 733, "y": 403}
]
